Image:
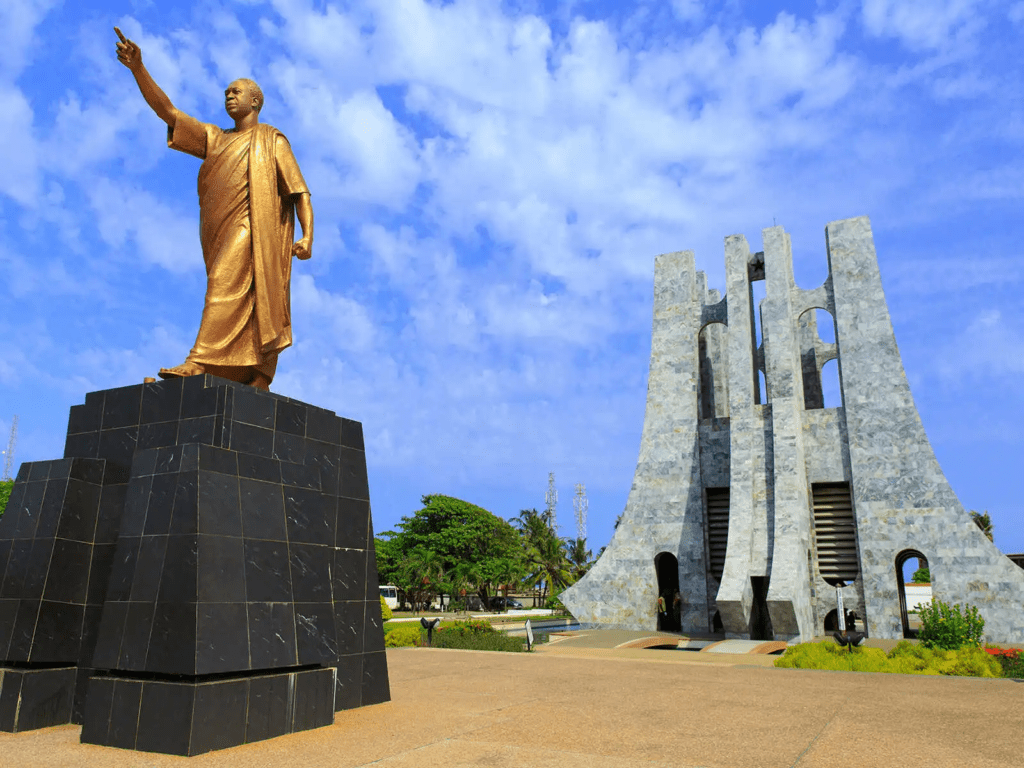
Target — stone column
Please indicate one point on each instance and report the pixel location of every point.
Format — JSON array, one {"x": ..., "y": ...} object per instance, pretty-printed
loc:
[
  {"x": 789, "y": 599},
  {"x": 664, "y": 511},
  {"x": 735, "y": 594}
]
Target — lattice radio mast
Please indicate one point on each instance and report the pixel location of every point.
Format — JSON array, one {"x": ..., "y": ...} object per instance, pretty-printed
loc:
[
  {"x": 579, "y": 505},
  {"x": 551, "y": 501},
  {"x": 9, "y": 453}
]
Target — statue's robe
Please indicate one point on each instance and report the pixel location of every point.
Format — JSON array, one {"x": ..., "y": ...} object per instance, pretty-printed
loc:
[{"x": 247, "y": 186}]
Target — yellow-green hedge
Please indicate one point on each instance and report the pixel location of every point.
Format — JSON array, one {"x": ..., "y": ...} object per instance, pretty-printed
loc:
[
  {"x": 402, "y": 635},
  {"x": 906, "y": 658}
]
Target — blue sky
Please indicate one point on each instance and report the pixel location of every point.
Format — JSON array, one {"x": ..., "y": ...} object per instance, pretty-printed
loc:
[{"x": 492, "y": 182}]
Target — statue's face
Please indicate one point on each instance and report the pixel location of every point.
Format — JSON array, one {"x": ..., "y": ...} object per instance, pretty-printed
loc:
[{"x": 238, "y": 100}]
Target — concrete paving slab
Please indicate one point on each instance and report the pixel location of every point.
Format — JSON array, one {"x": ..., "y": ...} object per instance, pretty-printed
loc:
[{"x": 601, "y": 708}]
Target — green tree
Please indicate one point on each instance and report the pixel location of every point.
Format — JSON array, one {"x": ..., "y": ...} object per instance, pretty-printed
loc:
[
  {"x": 983, "y": 521},
  {"x": 472, "y": 548},
  {"x": 922, "y": 576},
  {"x": 5, "y": 494}
]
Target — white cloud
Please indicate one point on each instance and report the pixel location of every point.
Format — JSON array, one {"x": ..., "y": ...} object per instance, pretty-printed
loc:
[
  {"x": 923, "y": 24},
  {"x": 991, "y": 347},
  {"x": 18, "y": 20},
  {"x": 18, "y": 150},
  {"x": 134, "y": 223},
  {"x": 335, "y": 320},
  {"x": 688, "y": 10}
]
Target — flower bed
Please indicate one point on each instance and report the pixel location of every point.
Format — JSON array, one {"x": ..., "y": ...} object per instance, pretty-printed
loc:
[{"x": 1010, "y": 659}]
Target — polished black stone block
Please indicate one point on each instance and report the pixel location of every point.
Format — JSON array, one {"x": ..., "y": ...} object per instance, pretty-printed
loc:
[
  {"x": 35, "y": 698},
  {"x": 194, "y": 717},
  {"x": 195, "y": 528}
]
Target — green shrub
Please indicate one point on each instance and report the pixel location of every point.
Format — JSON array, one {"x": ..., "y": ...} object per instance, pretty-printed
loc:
[
  {"x": 476, "y": 627},
  {"x": 5, "y": 494},
  {"x": 906, "y": 658},
  {"x": 832, "y": 656},
  {"x": 479, "y": 641},
  {"x": 950, "y": 627},
  {"x": 385, "y": 611},
  {"x": 402, "y": 635},
  {"x": 554, "y": 603}
]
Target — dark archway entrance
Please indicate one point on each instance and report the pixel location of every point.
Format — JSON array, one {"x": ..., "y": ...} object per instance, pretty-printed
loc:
[
  {"x": 901, "y": 577},
  {"x": 760, "y": 620},
  {"x": 667, "y": 567}
]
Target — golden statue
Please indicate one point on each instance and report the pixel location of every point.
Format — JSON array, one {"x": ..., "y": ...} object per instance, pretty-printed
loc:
[{"x": 250, "y": 189}]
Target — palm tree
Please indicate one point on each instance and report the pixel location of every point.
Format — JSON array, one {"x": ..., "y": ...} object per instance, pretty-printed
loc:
[
  {"x": 580, "y": 558},
  {"x": 546, "y": 565},
  {"x": 422, "y": 573}
]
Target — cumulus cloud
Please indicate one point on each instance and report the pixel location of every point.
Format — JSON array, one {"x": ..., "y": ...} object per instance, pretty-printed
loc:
[
  {"x": 991, "y": 346},
  {"x": 923, "y": 24}
]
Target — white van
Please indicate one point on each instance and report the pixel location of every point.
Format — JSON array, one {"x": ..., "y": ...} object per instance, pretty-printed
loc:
[{"x": 390, "y": 594}]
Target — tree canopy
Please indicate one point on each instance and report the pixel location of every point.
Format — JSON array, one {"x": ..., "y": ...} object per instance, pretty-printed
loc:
[{"x": 448, "y": 546}]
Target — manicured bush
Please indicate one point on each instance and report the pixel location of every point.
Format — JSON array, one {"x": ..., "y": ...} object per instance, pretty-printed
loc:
[
  {"x": 402, "y": 635},
  {"x": 385, "y": 611},
  {"x": 969, "y": 661},
  {"x": 950, "y": 627},
  {"x": 479, "y": 641},
  {"x": 832, "y": 656},
  {"x": 906, "y": 658},
  {"x": 476, "y": 627}
]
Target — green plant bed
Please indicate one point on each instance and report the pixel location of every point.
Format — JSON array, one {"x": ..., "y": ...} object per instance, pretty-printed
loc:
[
  {"x": 906, "y": 658},
  {"x": 480, "y": 642}
]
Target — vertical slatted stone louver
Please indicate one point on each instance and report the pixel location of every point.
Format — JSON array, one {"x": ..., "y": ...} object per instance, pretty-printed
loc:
[
  {"x": 835, "y": 532},
  {"x": 718, "y": 529}
]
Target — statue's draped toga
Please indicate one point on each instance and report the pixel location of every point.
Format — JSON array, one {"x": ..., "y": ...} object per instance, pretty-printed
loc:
[{"x": 247, "y": 185}]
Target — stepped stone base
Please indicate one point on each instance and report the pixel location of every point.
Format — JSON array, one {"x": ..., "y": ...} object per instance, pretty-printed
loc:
[
  {"x": 192, "y": 717},
  {"x": 35, "y": 698}
]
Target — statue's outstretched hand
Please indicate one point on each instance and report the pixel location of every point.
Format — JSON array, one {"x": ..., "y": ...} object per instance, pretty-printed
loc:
[
  {"x": 303, "y": 248},
  {"x": 128, "y": 53}
]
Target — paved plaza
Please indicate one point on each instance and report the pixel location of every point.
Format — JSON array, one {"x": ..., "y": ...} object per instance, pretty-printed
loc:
[{"x": 578, "y": 704}]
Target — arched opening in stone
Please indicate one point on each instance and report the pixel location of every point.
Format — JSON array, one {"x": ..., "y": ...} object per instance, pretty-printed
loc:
[
  {"x": 821, "y": 380},
  {"x": 713, "y": 397},
  {"x": 826, "y": 325},
  {"x": 831, "y": 392},
  {"x": 760, "y": 619},
  {"x": 909, "y": 562},
  {"x": 666, "y": 566}
]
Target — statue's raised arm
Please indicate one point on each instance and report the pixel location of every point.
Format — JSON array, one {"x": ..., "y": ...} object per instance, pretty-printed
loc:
[{"x": 129, "y": 54}]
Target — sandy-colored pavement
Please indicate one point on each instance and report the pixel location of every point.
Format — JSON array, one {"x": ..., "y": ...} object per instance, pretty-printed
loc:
[{"x": 600, "y": 708}]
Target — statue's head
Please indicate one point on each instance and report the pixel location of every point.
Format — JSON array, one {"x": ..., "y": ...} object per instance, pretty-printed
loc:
[{"x": 242, "y": 97}]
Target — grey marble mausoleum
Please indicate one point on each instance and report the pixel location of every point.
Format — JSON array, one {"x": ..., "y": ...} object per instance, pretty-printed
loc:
[{"x": 754, "y": 504}]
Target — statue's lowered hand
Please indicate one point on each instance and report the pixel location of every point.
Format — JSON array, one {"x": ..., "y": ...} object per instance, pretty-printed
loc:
[
  {"x": 128, "y": 53},
  {"x": 303, "y": 248}
]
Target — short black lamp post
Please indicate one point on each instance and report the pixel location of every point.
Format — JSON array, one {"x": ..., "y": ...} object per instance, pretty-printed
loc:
[
  {"x": 846, "y": 638},
  {"x": 429, "y": 626}
]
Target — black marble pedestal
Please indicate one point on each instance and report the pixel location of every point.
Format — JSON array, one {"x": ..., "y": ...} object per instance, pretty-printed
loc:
[{"x": 203, "y": 547}]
